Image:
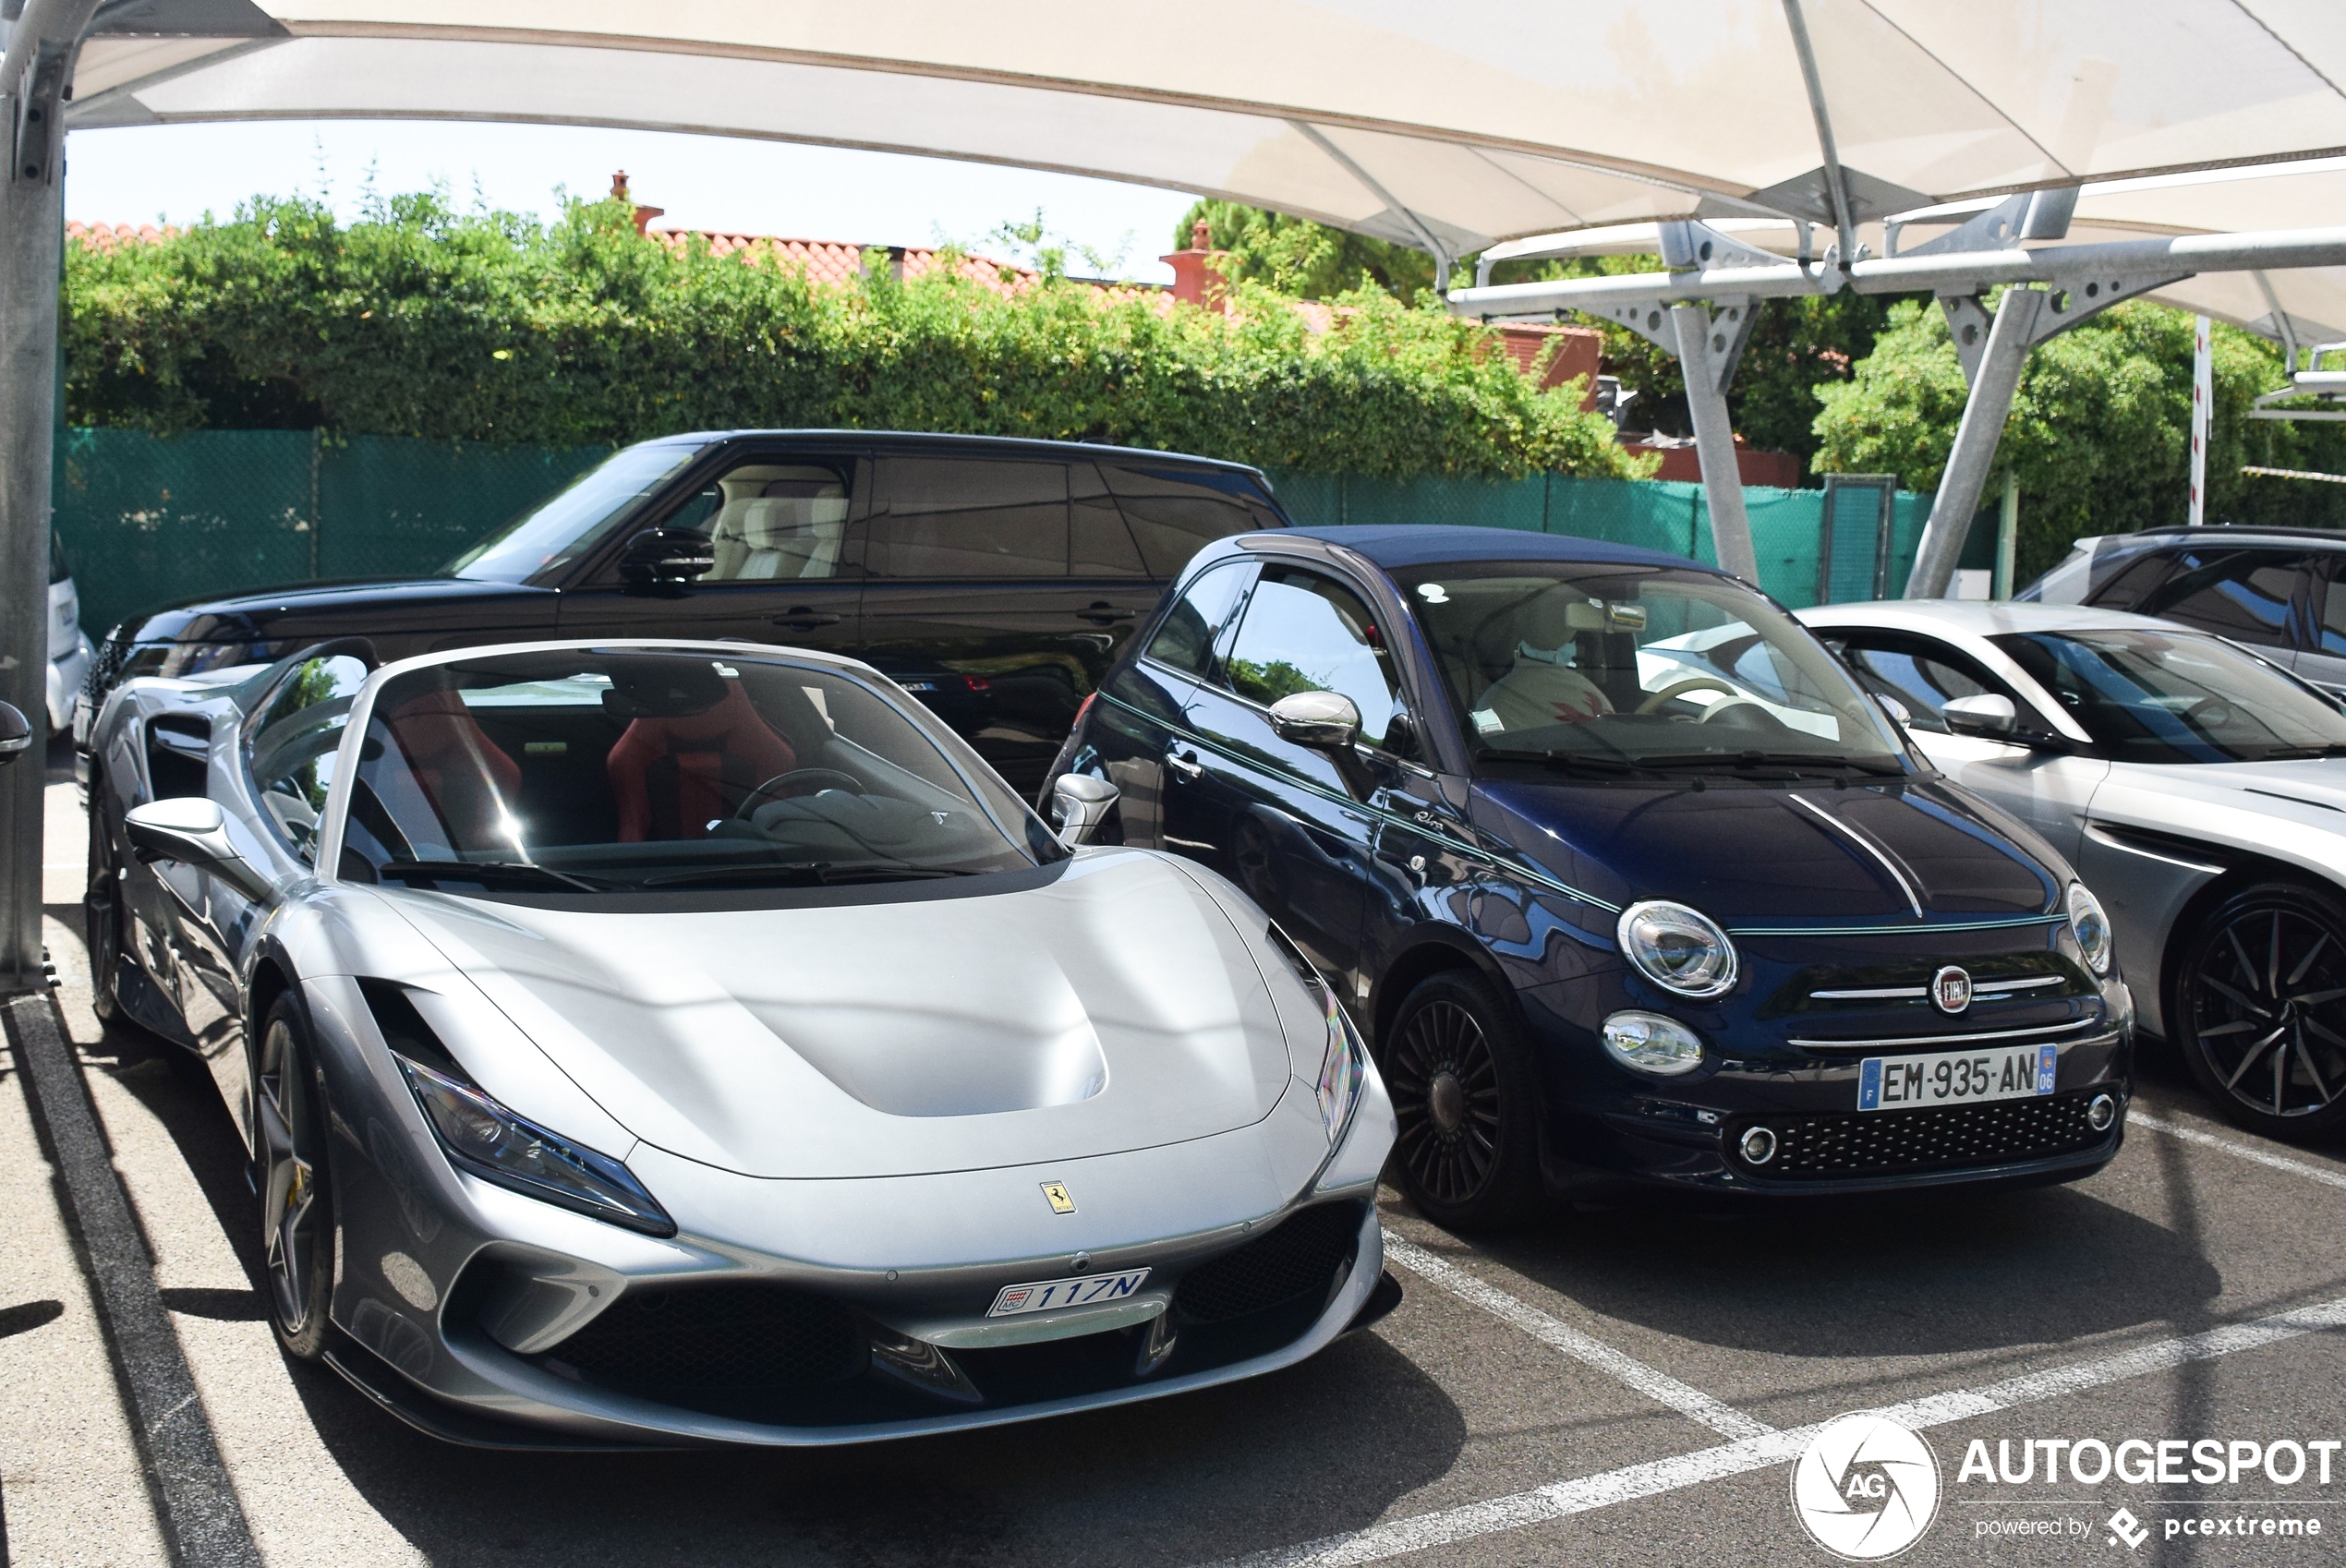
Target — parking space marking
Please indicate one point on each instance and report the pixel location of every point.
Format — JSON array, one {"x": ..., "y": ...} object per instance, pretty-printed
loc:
[
  {"x": 1562, "y": 1499},
  {"x": 2242, "y": 1151},
  {"x": 1655, "y": 1385}
]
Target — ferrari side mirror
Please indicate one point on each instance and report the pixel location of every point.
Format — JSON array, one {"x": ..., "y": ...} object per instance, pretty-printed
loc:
[
  {"x": 1080, "y": 803},
  {"x": 15, "y": 734},
  {"x": 192, "y": 830}
]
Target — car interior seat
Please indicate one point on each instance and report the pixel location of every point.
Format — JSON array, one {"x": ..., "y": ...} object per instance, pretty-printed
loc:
[
  {"x": 466, "y": 777},
  {"x": 693, "y": 750},
  {"x": 1562, "y": 642},
  {"x": 779, "y": 523}
]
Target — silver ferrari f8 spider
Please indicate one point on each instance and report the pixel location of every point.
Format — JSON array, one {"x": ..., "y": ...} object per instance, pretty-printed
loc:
[{"x": 655, "y": 1043}]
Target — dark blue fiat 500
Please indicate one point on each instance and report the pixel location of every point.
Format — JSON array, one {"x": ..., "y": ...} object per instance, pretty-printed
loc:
[{"x": 1621, "y": 874}]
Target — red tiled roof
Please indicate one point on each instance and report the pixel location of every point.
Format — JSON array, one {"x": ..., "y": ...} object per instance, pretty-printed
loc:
[
  {"x": 837, "y": 261},
  {"x": 105, "y": 236}
]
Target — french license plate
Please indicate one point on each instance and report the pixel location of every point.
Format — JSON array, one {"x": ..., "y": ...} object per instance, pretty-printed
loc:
[
  {"x": 1892, "y": 1083},
  {"x": 1045, "y": 1294}
]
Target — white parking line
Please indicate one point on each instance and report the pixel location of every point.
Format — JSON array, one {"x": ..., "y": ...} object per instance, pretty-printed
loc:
[
  {"x": 2243, "y": 1151},
  {"x": 1655, "y": 1385},
  {"x": 1562, "y": 1499}
]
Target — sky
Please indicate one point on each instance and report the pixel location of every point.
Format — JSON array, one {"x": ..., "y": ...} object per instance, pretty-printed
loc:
[{"x": 176, "y": 173}]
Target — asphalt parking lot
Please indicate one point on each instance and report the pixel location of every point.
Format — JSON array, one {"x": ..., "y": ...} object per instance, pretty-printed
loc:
[{"x": 1618, "y": 1387}]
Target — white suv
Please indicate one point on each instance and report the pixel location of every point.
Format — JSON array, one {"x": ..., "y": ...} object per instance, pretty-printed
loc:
[{"x": 69, "y": 651}]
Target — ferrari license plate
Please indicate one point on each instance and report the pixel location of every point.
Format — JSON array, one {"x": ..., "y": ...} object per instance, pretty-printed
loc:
[
  {"x": 1045, "y": 1294},
  {"x": 1896, "y": 1083}
]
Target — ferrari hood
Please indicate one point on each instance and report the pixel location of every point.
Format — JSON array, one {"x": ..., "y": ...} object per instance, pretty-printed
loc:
[
  {"x": 1742, "y": 852},
  {"x": 916, "y": 1029}
]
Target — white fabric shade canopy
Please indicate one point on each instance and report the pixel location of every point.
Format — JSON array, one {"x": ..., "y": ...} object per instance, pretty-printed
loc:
[{"x": 1449, "y": 125}]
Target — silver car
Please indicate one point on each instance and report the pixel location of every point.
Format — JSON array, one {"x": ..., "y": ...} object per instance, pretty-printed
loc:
[
  {"x": 2197, "y": 789},
  {"x": 658, "y": 1043}
]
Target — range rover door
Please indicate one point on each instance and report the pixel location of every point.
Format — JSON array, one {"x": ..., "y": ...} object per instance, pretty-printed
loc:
[
  {"x": 786, "y": 531},
  {"x": 999, "y": 591}
]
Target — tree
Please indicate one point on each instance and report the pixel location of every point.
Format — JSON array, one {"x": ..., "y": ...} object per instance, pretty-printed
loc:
[
  {"x": 1299, "y": 256},
  {"x": 2098, "y": 438}
]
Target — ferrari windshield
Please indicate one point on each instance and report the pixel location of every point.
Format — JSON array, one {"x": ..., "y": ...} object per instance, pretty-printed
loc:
[
  {"x": 1638, "y": 668},
  {"x": 589, "y": 771},
  {"x": 574, "y": 518},
  {"x": 2156, "y": 696}
]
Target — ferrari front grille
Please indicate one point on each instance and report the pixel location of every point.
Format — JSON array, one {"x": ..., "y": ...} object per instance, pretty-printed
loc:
[
  {"x": 678, "y": 1346},
  {"x": 1298, "y": 1259}
]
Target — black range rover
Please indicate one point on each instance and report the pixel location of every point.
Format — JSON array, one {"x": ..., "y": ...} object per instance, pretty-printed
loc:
[{"x": 996, "y": 580}]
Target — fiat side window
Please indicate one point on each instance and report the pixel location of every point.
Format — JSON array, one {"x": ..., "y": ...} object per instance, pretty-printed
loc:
[
  {"x": 1305, "y": 633},
  {"x": 1185, "y": 640}
]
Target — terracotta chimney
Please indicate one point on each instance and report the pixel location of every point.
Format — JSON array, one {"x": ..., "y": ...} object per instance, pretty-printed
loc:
[
  {"x": 644, "y": 215},
  {"x": 1195, "y": 278}
]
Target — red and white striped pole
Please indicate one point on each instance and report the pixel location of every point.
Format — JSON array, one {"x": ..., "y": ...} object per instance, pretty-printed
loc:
[{"x": 2202, "y": 376}]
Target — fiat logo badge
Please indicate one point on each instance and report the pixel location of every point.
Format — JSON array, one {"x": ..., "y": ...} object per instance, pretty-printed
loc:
[{"x": 1951, "y": 989}]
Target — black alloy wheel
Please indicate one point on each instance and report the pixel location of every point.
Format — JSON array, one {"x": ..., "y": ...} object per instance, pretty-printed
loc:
[
  {"x": 2261, "y": 1010},
  {"x": 102, "y": 913},
  {"x": 1467, "y": 1149},
  {"x": 296, "y": 1203}
]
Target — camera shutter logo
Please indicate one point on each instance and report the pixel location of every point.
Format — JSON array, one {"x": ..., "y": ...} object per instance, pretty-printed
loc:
[{"x": 1865, "y": 1488}]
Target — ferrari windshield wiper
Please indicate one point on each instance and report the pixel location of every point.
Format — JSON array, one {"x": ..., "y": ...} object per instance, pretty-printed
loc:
[
  {"x": 2299, "y": 754},
  {"x": 488, "y": 870},
  {"x": 826, "y": 872}
]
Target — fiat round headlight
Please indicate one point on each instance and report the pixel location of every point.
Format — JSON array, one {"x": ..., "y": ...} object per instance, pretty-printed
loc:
[
  {"x": 1651, "y": 1042},
  {"x": 2091, "y": 927},
  {"x": 1676, "y": 947}
]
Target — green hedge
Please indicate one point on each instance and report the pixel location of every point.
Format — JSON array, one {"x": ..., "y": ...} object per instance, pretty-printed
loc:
[{"x": 420, "y": 320}]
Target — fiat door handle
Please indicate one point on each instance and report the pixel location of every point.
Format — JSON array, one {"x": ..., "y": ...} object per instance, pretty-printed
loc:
[
  {"x": 805, "y": 620},
  {"x": 1188, "y": 768},
  {"x": 1104, "y": 614}
]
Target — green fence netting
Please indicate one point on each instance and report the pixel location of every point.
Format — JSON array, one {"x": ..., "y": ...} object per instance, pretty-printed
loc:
[{"x": 149, "y": 520}]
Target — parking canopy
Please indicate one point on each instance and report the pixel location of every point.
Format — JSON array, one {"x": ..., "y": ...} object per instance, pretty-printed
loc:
[{"x": 1446, "y": 126}]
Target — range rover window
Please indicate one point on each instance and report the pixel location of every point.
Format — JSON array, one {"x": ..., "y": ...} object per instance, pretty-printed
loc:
[
  {"x": 1306, "y": 632},
  {"x": 1175, "y": 512},
  {"x": 970, "y": 517},
  {"x": 772, "y": 520},
  {"x": 2246, "y": 595},
  {"x": 291, "y": 752},
  {"x": 576, "y": 519}
]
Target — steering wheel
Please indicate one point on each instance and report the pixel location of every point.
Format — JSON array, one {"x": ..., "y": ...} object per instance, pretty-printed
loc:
[
  {"x": 796, "y": 782},
  {"x": 1680, "y": 688}
]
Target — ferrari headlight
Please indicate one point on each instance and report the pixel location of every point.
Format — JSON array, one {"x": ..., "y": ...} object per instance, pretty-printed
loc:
[
  {"x": 2091, "y": 927},
  {"x": 1651, "y": 1042},
  {"x": 484, "y": 1137},
  {"x": 1678, "y": 949},
  {"x": 1340, "y": 1074}
]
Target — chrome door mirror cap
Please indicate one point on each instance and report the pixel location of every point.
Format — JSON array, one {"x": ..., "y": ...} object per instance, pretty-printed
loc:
[
  {"x": 1325, "y": 721},
  {"x": 1988, "y": 715},
  {"x": 194, "y": 831},
  {"x": 1079, "y": 804},
  {"x": 16, "y": 733}
]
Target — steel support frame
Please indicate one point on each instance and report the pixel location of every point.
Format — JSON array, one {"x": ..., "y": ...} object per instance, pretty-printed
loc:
[{"x": 35, "y": 77}]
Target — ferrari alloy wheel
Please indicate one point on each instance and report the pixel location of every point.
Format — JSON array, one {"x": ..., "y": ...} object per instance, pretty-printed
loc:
[
  {"x": 297, "y": 1208},
  {"x": 101, "y": 914},
  {"x": 2261, "y": 1018},
  {"x": 1465, "y": 1150}
]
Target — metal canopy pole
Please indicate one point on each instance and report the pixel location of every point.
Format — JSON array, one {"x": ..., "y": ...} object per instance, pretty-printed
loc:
[
  {"x": 2001, "y": 361},
  {"x": 33, "y": 77},
  {"x": 1707, "y": 355}
]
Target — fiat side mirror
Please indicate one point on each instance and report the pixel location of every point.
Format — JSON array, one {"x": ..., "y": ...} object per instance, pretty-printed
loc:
[
  {"x": 1989, "y": 715},
  {"x": 15, "y": 734},
  {"x": 667, "y": 555},
  {"x": 1079, "y": 804},
  {"x": 1324, "y": 721},
  {"x": 191, "y": 830}
]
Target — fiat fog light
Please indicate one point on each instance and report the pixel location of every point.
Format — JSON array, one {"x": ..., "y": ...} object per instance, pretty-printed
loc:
[
  {"x": 2100, "y": 1112},
  {"x": 1651, "y": 1042},
  {"x": 482, "y": 1136},
  {"x": 2091, "y": 927},
  {"x": 1340, "y": 1074},
  {"x": 1676, "y": 947}
]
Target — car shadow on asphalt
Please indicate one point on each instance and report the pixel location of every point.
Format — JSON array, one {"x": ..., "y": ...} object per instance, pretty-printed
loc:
[{"x": 1315, "y": 1450}]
